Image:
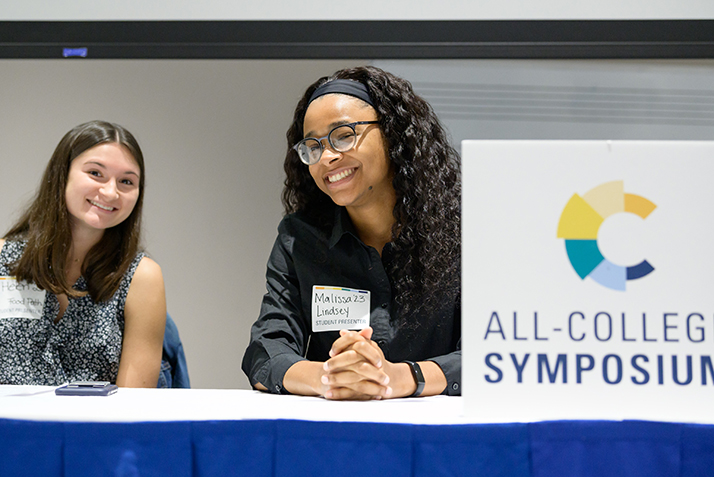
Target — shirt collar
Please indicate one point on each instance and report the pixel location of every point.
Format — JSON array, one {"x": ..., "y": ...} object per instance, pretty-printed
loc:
[{"x": 342, "y": 225}]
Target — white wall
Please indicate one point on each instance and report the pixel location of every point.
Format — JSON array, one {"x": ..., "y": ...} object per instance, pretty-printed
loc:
[
  {"x": 363, "y": 10},
  {"x": 567, "y": 99},
  {"x": 213, "y": 135}
]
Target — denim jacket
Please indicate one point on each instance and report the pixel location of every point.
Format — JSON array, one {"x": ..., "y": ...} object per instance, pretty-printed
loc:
[{"x": 174, "y": 372}]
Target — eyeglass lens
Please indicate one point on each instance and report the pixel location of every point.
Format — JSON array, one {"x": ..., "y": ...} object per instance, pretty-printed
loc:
[{"x": 342, "y": 139}]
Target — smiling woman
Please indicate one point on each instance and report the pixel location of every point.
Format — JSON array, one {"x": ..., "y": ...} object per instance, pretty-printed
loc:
[
  {"x": 363, "y": 282},
  {"x": 95, "y": 308},
  {"x": 102, "y": 188}
]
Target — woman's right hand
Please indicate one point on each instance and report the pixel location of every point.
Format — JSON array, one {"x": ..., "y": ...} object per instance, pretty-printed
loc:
[{"x": 355, "y": 369}]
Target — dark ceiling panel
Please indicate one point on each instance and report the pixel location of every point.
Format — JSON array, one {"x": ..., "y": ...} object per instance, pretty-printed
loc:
[{"x": 359, "y": 39}]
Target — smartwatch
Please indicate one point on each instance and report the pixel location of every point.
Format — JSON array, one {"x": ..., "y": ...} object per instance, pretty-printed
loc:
[{"x": 418, "y": 377}]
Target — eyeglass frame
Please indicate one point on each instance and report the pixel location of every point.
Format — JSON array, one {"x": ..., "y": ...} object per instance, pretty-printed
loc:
[{"x": 319, "y": 140}]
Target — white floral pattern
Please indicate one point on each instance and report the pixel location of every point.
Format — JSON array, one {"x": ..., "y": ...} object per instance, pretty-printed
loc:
[{"x": 84, "y": 345}]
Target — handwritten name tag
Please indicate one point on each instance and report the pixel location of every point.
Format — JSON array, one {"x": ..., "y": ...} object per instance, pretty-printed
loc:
[
  {"x": 20, "y": 299},
  {"x": 337, "y": 308}
]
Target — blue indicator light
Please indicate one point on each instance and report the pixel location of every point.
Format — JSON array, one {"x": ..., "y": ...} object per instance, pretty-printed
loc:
[{"x": 74, "y": 52}]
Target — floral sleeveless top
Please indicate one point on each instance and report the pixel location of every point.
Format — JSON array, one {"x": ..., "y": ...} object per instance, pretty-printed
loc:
[{"x": 84, "y": 345}]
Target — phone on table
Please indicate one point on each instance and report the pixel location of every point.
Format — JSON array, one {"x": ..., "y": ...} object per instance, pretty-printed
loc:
[{"x": 87, "y": 388}]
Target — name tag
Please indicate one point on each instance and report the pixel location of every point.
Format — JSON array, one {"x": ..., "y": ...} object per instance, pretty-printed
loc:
[
  {"x": 337, "y": 308},
  {"x": 20, "y": 299}
]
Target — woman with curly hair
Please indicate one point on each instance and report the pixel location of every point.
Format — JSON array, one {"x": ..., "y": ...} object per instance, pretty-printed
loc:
[
  {"x": 372, "y": 202},
  {"x": 86, "y": 304}
]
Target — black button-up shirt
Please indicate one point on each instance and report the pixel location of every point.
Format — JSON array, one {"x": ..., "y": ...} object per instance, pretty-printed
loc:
[{"x": 306, "y": 254}]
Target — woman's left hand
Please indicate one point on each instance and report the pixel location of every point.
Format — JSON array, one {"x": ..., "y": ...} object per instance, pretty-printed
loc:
[{"x": 357, "y": 369}]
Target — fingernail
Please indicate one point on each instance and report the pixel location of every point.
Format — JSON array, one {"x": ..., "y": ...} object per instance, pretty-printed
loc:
[
  {"x": 328, "y": 394},
  {"x": 324, "y": 379},
  {"x": 388, "y": 392},
  {"x": 385, "y": 380},
  {"x": 379, "y": 363},
  {"x": 325, "y": 366},
  {"x": 332, "y": 354}
]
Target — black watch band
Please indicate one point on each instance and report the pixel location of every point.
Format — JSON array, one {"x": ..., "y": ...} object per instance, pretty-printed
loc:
[{"x": 418, "y": 377}]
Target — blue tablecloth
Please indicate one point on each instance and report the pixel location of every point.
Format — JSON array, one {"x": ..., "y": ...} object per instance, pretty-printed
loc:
[{"x": 306, "y": 448}]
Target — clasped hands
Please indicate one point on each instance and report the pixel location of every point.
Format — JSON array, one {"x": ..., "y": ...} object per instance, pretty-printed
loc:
[{"x": 357, "y": 369}]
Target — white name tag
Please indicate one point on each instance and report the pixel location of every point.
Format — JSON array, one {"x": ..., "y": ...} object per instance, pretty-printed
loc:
[
  {"x": 337, "y": 308},
  {"x": 20, "y": 299}
]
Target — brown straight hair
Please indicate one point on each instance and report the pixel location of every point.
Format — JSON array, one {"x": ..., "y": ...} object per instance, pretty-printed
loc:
[{"x": 45, "y": 225}]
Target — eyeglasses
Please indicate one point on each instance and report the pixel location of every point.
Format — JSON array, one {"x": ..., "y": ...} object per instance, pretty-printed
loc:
[{"x": 341, "y": 138}]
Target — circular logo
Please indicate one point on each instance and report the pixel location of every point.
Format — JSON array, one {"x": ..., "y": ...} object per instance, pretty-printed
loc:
[{"x": 579, "y": 225}]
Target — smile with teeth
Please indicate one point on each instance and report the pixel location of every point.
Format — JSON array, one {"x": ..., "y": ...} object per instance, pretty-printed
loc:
[
  {"x": 340, "y": 176},
  {"x": 103, "y": 207}
]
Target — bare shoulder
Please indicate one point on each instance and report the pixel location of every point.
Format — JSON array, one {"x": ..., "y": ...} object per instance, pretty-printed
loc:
[
  {"x": 146, "y": 284},
  {"x": 147, "y": 295},
  {"x": 148, "y": 272}
]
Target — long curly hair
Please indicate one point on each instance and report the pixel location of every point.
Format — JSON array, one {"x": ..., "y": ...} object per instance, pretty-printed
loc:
[
  {"x": 426, "y": 235},
  {"x": 45, "y": 225}
]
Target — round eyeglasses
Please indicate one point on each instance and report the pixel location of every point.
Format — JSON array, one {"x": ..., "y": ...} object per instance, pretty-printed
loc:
[{"x": 341, "y": 138}]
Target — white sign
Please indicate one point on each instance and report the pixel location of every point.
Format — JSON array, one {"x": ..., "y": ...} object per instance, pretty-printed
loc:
[
  {"x": 588, "y": 280},
  {"x": 20, "y": 299},
  {"x": 338, "y": 308}
]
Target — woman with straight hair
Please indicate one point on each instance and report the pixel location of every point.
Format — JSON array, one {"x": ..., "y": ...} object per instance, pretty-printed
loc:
[
  {"x": 363, "y": 283},
  {"x": 88, "y": 304}
]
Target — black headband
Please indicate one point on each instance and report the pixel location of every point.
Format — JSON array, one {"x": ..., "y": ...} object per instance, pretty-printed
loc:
[{"x": 343, "y": 86}]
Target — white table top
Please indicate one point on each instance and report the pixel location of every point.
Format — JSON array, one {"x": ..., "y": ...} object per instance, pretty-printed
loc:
[{"x": 39, "y": 403}]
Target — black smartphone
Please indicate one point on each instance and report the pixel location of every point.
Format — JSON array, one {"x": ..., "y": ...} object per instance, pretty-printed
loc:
[{"x": 87, "y": 388}]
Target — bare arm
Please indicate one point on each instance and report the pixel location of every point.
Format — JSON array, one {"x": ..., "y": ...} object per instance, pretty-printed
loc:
[
  {"x": 303, "y": 378},
  {"x": 144, "y": 323},
  {"x": 357, "y": 370},
  {"x": 313, "y": 378}
]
